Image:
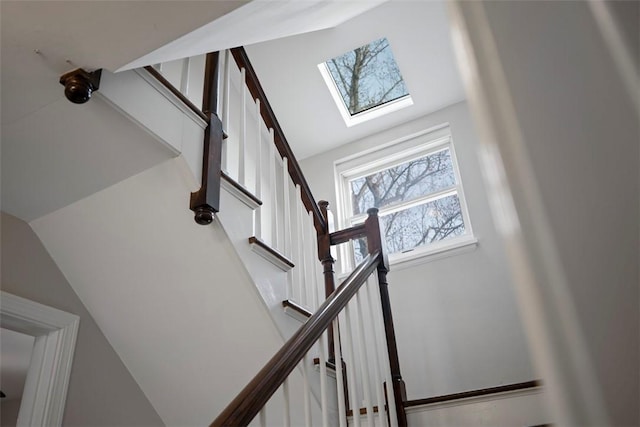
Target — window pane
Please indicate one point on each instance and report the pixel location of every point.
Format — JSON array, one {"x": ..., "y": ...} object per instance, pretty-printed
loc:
[
  {"x": 404, "y": 182},
  {"x": 367, "y": 76},
  {"x": 431, "y": 222}
]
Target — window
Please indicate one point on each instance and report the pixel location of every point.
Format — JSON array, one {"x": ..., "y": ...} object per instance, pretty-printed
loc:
[
  {"x": 416, "y": 186},
  {"x": 366, "y": 82}
]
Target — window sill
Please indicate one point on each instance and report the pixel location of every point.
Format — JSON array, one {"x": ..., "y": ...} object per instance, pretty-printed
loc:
[
  {"x": 434, "y": 252},
  {"x": 400, "y": 261}
]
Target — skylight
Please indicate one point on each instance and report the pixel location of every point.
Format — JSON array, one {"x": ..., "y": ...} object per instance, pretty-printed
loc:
[{"x": 366, "y": 82}]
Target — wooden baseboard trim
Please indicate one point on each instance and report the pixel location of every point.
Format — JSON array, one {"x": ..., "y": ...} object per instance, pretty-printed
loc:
[{"x": 473, "y": 393}]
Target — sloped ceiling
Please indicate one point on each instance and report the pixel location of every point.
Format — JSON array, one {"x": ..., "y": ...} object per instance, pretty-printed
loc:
[
  {"x": 258, "y": 21},
  {"x": 419, "y": 35}
]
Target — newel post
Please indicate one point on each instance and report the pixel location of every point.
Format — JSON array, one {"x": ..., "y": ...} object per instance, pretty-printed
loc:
[
  {"x": 324, "y": 254},
  {"x": 206, "y": 201},
  {"x": 375, "y": 242}
]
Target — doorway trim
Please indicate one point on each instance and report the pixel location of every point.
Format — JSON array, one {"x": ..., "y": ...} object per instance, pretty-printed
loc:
[{"x": 55, "y": 333}]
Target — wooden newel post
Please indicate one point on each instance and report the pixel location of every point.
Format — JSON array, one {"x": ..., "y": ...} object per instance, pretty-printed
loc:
[
  {"x": 324, "y": 254},
  {"x": 206, "y": 201},
  {"x": 376, "y": 242}
]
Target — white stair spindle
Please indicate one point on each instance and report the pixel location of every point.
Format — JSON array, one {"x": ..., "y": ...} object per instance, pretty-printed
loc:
[
  {"x": 295, "y": 244},
  {"x": 243, "y": 128},
  {"x": 342, "y": 410},
  {"x": 308, "y": 245},
  {"x": 313, "y": 262},
  {"x": 364, "y": 362},
  {"x": 263, "y": 416},
  {"x": 286, "y": 244},
  {"x": 306, "y": 393},
  {"x": 286, "y": 415},
  {"x": 300, "y": 249},
  {"x": 373, "y": 348},
  {"x": 184, "y": 77},
  {"x": 384, "y": 356},
  {"x": 324, "y": 401},
  {"x": 226, "y": 88},
  {"x": 286, "y": 210},
  {"x": 257, "y": 223},
  {"x": 273, "y": 184},
  {"x": 354, "y": 398}
]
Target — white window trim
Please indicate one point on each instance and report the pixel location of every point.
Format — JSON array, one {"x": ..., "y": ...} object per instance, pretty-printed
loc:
[
  {"x": 391, "y": 154},
  {"x": 364, "y": 116}
]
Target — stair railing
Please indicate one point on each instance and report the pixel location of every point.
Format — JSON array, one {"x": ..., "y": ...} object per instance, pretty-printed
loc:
[
  {"x": 246, "y": 152},
  {"x": 344, "y": 311}
]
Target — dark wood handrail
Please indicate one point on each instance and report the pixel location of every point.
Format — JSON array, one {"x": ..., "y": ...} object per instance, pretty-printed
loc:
[
  {"x": 242, "y": 60},
  {"x": 343, "y": 236},
  {"x": 160, "y": 78},
  {"x": 255, "y": 395}
]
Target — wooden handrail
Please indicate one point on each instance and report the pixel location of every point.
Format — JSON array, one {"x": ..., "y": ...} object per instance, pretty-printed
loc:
[
  {"x": 242, "y": 60},
  {"x": 343, "y": 236},
  {"x": 255, "y": 395},
  {"x": 160, "y": 78}
]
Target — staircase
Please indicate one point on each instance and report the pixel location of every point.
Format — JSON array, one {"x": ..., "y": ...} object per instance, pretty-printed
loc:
[
  {"x": 259, "y": 274},
  {"x": 259, "y": 250}
]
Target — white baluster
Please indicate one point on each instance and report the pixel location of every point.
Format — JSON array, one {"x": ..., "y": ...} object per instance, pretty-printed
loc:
[
  {"x": 243, "y": 128},
  {"x": 257, "y": 223},
  {"x": 273, "y": 183},
  {"x": 312, "y": 277},
  {"x": 286, "y": 243},
  {"x": 342, "y": 411},
  {"x": 301, "y": 248},
  {"x": 306, "y": 392},
  {"x": 286, "y": 210},
  {"x": 373, "y": 349},
  {"x": 354, "y": 398},
  {"x": 184, "y": 77},
  {"x": 384, "y": 355},
  {"x": 286, "y": 415},
  {"x": 324, "y": 401},
  {"x": 226, "y": 90},
  {"x": 263, "y": 416},
  {"x": 364, "y": 362}
]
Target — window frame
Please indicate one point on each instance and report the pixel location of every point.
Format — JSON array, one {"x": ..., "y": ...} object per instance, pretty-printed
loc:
[
  {"x": 388, "y": 155},
  {"x": 370, "y": 113}
]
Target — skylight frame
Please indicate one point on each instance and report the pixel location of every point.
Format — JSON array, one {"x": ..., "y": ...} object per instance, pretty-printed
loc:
[{"x": 365, "y": 115}]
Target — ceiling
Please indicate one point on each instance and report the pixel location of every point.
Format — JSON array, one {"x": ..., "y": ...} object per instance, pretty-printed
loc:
[
  {"x": 15, "y": 353},
  {"x": 55, "y": 153},
  {"x": 418, "y": 32}
]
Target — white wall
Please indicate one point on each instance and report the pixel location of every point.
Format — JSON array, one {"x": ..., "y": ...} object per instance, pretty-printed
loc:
[
  {"x": 456, "y": 320},
  {"x": 580, "y": 134},
  {"x": 99, "y": 380},
  {"x": 171, "y": 296}
]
